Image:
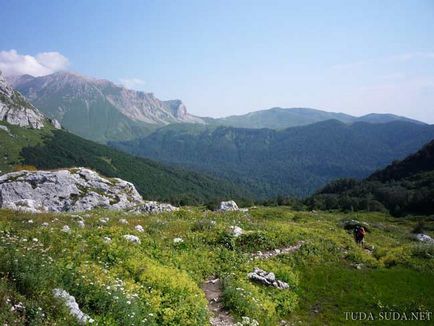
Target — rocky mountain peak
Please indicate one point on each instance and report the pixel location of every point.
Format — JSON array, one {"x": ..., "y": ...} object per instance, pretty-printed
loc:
[{"x": 14, "y": 109}]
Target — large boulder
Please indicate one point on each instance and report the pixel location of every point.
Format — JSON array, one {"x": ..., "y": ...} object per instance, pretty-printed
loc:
[
  {"x": 266, "y": 278},
  {"x": 228, "y": 206},
  {"x": 69, "y": 190},
  {"x": 352, "y": 224}
]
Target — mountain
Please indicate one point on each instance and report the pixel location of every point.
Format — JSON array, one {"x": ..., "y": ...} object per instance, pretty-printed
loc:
[
  {"x": 293, "y": 161},
  {"x": 32, "y": 142},
  {"x": 97, "y": 109},
  {"x": 404, "y": 187},
  {"x": 279, "y": 118}
]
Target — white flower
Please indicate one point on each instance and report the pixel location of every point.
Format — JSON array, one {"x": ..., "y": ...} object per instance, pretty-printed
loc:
[
  {"x": 45, "y": 224},
  {"x": 139, "y": 228},
  {"x": 104, "y": 220},
  {"x": 178, "y": 240},
  {"x": 72, "y": 306},
  {"x": 30, "y": 221},
  {"x": 35, "y": 240},
  {"x": 107, "y": 239}
]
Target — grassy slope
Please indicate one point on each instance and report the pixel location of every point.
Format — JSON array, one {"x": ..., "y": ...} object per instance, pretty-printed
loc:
[
  {"x": 161, "y": 279},
  {"x": 49, "y": 149}
]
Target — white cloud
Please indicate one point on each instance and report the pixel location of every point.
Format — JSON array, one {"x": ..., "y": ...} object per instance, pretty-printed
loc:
[
  {"x": 45, "y": 63},
  {"x": 132, "y": 83}
]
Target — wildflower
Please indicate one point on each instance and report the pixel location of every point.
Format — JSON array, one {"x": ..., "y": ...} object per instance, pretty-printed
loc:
[{"x": 178, "y": 240}]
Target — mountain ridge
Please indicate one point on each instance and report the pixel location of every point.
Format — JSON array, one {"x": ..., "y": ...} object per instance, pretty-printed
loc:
[{"x": 98, "y": 109}]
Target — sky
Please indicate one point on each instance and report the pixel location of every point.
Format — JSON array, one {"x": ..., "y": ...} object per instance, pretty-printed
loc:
[{"x": 236, "y": 56}]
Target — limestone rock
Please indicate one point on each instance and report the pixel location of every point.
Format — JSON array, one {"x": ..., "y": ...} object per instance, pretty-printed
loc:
[
  {"x": 71, "y": 190},
  {"x": 424, "y": 238},
  {"x": 228, "y": 206},
  {"x": 267, "y": 278},
  {"x": 15, "y": 110},
  {"x": 153, "y": 207}
]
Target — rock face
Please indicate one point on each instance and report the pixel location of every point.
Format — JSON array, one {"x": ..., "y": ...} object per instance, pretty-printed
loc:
[
  {"x": 228, "y": 206},
  {"x": 153, "y": 207},
  {"x": 71, "y": 190},
  {"x": 267, "y": 278},
  {"x": 14, "y": 109}
]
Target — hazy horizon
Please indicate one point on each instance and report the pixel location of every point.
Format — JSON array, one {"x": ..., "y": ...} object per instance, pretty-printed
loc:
[{"x": 230, "y": 58}]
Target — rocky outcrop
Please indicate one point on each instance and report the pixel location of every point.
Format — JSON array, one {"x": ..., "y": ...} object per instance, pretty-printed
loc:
[
  {"x": 153, "y": 207},
  {"x": 70, "y": 190},
  {"x": 15, "y": 110},
  {"x": 267, "y": 278},
  {"x": 228, "y": 206}
]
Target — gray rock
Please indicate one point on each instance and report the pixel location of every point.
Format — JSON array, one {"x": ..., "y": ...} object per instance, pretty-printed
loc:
[
  {"x": 71, "y": 190},
  {"x": 153, "y": 207},
  {"x": 266, "y": 278},
  {"x": 229, "y": 205},
  {"x": 15, "y": 110},
  {"x": 424, "y": 238}
]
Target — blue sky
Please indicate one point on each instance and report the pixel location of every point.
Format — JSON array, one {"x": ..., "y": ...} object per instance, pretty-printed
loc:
[{"x": 231, "y": 57}]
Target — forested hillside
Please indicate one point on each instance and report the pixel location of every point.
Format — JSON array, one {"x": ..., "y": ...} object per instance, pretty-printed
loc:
[
  {"x": 404, "y": 187},
  {"x": 49, "y": 149},
  {"x": 295, "y": 161}
]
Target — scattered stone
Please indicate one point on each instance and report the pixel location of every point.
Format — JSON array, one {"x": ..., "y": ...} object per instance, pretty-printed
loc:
[
  {"x": 45, "y": 224},
  {"x": 154, "y": 207},
  {"x": 104, "y": 220},
  {"x": 72, "y": 306},
  {"x": 267, "y": 278},
  {"x": 80, "y": 224},
  {"x": 107, "y": 239},
  {"x": 424, "y": 238},
  {"x": 66, "y": 229},
  {"x": 74, "y": 190},
  {"x": 132, "y": 238},
  {"x": 226, "y": 206},
  {"x": 236, "y": 231},
  {"x": 278, "y": 251},
  {"x": 123, "y": 221},
  {"x": 139, "y": 228}
]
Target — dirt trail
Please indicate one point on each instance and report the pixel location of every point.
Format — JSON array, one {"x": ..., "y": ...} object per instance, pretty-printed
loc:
[
  {"x": 213, "y": 293},
  {"x": 212, "y": 288}
]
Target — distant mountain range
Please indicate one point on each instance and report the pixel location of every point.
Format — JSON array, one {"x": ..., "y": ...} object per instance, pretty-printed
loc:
[
  {"x": 28, "y": 140},
  {"x": 98, "y": 109},
  {"x": 404, "y": 187},
  {"x": 279, "y": 118},
  {"x": 293, "y": 161},
  {"x": 101, "y": 111}
]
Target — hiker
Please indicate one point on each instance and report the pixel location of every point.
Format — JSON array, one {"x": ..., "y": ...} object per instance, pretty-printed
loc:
[{"x": 359, "y": 234}]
